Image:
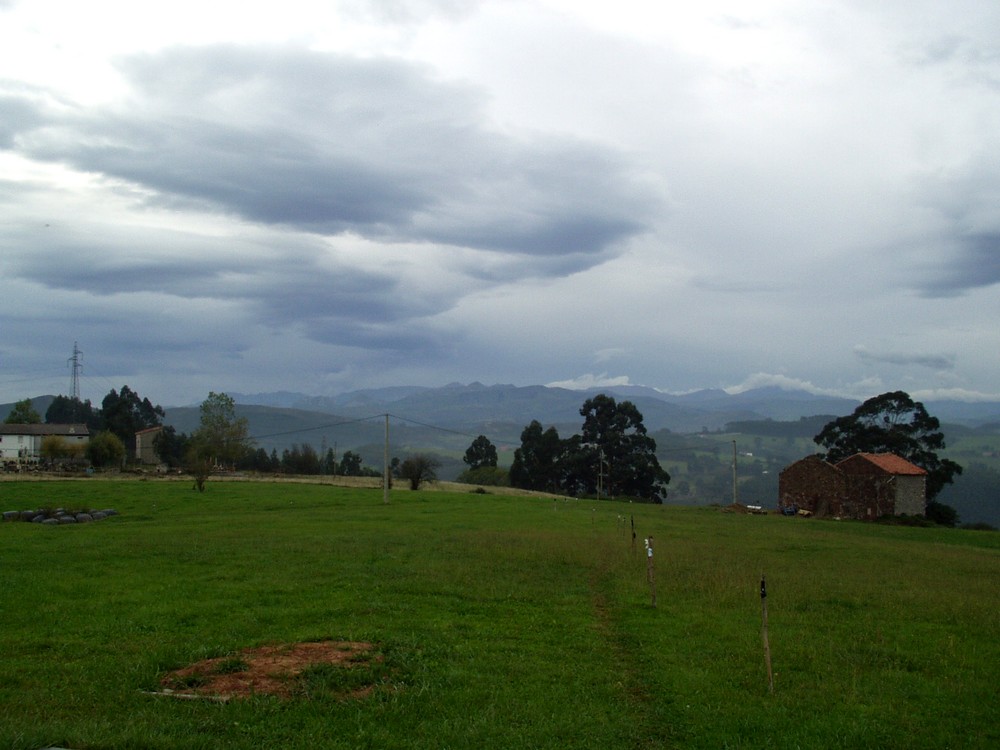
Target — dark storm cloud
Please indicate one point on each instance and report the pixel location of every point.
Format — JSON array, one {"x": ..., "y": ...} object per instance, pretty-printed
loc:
[
  {"x": 962, "y": 252},
  {"x": 934, "y": 361},
  {"x": 79, "y": 266},
  {"x": 330, "y": 144},
  {"x": 974, "y": 262},
  {"x": 312, "y": 294},
  {"x": 287, "y": 288},
  {"x": 415, "y": 338}
]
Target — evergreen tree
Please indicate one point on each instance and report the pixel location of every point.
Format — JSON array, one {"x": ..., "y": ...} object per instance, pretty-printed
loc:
[
  {"x": 66, "y": 410},
  {"x": 892, "y": 423},
  {"x": 623, "y": 455},
  {"x": 537, "y": 463},
  {"x": 124, "y": 414},
  {"x": 480, "y": 454}
]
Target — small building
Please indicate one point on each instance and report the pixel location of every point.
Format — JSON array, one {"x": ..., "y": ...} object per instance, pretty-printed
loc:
[
  {"x": 22, "y": 443},
  {"x": 814, "y": 485},
  {"x": 884, "y": 484},
  {"x": 865, "y": 486},
  {"x": 145, "y": 451}
]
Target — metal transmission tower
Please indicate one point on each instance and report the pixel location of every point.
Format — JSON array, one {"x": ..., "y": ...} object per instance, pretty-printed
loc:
[{"x": 75, "y": 364}]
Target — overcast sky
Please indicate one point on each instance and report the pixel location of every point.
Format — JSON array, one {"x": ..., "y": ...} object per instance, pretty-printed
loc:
[{"x": 323, "y": 196}]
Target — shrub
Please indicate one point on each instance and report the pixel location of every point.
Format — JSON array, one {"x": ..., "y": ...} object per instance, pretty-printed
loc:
[
  {"x": 941, "y": 514},
  {"x": 105, "y": 449}
]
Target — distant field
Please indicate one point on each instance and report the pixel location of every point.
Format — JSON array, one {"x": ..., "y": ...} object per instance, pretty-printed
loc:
[{"x": 495, "y": 622}]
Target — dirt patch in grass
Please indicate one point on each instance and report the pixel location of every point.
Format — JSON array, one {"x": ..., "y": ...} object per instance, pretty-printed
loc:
[{"x": 346, "y": 669}]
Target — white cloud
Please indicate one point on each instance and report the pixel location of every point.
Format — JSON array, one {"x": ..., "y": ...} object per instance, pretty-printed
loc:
[
  {"x": 590, "y": 380},
  {"x": 954, "y": 394},
  {"x": 860, "y": 390}
]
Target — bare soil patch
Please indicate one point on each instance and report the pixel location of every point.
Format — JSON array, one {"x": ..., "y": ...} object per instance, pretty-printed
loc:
[{"x": 278, "y": 670}]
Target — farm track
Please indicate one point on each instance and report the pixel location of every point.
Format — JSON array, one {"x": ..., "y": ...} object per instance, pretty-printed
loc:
[{"x": 648, "y": 734}]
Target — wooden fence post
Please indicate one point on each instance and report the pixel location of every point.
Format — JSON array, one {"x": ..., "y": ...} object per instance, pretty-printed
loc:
[
  {"x": 650, "y": 576},
  {"x": 767, "y": 645}
]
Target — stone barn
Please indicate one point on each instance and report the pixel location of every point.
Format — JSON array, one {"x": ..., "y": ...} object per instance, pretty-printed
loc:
[
  {"x": 864, "y": 486},
  {"x": 813, "y": 485},
  {"x": 884, "y": 484}
]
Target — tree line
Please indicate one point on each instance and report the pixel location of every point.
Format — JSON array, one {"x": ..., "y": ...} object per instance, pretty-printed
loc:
[
  {"x": 222, "y": 440},
  {"x": 612, "y": 456}
]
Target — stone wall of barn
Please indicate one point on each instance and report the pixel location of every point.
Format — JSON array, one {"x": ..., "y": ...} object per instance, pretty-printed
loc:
[
  {"x": 911, "y": 494},
  {"x": 812, "y": 484},
  {"x": 870, "y": 496}
]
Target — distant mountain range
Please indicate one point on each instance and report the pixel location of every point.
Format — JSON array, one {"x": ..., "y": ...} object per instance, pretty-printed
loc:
[
  {"x": 444, "y": 420},
  {"x": 507, "y": 409},
  {"x": 466, "y": 407}
]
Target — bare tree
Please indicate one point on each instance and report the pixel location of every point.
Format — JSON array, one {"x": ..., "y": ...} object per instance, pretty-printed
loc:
[{"x": 417, "y": 469}]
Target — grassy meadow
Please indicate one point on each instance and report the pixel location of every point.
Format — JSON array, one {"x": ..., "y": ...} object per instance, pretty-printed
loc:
[{"x": 502, "y": 622}]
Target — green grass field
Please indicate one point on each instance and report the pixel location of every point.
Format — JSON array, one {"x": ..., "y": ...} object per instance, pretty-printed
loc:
[{"x": 504, "y": 622}]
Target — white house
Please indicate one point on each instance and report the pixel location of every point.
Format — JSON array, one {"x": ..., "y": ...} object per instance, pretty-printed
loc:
[{"x": 23, "y": 442}]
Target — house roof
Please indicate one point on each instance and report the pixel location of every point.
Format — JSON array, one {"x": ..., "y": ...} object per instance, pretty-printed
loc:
[
  {"x": 888, "y": 462},
  {"x": 811, "y": 461},
  {"x": 77, "y": 430}
]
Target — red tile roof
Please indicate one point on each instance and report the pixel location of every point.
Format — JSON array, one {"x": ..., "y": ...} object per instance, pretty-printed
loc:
[{"x": 889, "y": 462}]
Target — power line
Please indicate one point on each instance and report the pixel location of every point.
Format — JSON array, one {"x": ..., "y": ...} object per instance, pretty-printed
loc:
[
  {"x": 317, "y": 427},
  {"x": 446, "y": 429},
  {"x": 432, "y": 426},
  {"x": 40, "y": 375}
]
